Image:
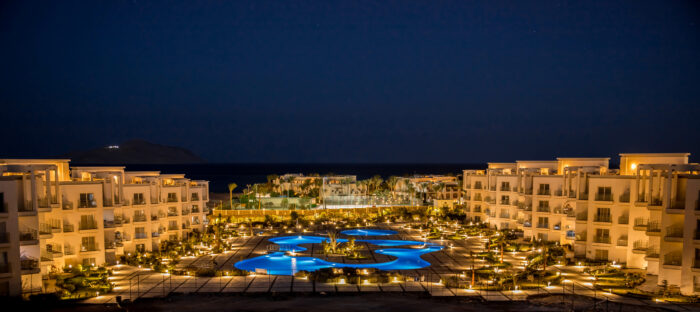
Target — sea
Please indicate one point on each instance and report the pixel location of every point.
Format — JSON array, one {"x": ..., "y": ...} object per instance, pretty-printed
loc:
[{"x": 220, "y": 175}]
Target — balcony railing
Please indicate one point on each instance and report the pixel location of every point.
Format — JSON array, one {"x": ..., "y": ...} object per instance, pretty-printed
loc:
[
  {"x": 625, "y": 197},
  {"x": 172, "y": 228},
  {"x": 172, "y": 199},
  {"x": 673, "y": 259},
  {"x": 195, "y": 210},
  {"x": 87, "y": 204},
  {"x": 68, "y": 228},
  {"x": 602, "y": 218},
  {"x": 543, "y": 209},
  {"x": 108, "y": 224},
  {"x": 544, "y": 192},
  {"x": 622, "y": 242},
  {"x": 640, "y": 245},
  {"x": 28, "y": 235},
  {"x": 623, "y": 219},
  {"x": 581, "y": 237},
  {"x": 67, "y": 205},
  {"x": 601, "y": 239},
  {"x": 505, "y": 188},
  {"x": 29, "y": 264},
  {"x": 582, "y": 216},
  {"x": 140, "y": 218},
  {"x": 603, "y": 197},
  {"x": 172, "y": 213},
  {"x": 543, "y": 225},
  {"x": 141, "y": 235},
  {"x": 89, "y": 247},
  {"x": 89, "y": 225},
  {"x": 674, "y": 232}
]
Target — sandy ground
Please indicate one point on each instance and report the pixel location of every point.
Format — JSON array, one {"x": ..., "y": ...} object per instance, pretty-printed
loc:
[{"x": 355, "y": 303}]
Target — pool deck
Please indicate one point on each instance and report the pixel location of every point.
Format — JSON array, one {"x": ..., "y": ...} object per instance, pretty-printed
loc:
[{"x": 133, "y": 283}]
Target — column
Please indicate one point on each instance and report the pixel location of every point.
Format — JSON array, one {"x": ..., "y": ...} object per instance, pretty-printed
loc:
[
  {"x": 55, "y": 174},
  {"x": 35, "y": 204},
  {"x": 47, "y": 176}
]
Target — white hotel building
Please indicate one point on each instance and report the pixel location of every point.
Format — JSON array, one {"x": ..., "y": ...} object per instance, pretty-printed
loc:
[
  {"x": 646, "y": 214},
  {"x": 53, "y": 216}
]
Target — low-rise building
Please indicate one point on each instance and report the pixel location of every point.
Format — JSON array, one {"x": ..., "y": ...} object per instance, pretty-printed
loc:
[
  {"x": 645, "y": 215},
  {"x": 54, "y": 216}
]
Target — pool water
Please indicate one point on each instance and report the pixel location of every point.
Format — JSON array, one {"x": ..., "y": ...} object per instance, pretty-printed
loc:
[
  {"x": 280, "y": 263},
  {"x": 368, "y": 232}
]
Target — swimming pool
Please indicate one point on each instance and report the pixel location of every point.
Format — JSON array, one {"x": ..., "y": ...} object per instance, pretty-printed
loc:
[
  {"x": 280, "y": 263},
  {"x": 368, "y": 232}
]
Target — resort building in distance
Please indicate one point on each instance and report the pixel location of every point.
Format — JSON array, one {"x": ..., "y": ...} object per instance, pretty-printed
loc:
[
  {"x": 646, "y": 214},
  {"x": 54, "y": 216}
]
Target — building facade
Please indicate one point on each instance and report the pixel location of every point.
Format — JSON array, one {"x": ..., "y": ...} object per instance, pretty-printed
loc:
[
  {"x": 645, "y": 215},
  {"x": 55, "y": 216}
]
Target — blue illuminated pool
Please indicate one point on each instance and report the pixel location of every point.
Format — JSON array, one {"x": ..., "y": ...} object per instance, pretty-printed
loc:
[
  {"x": 368, "y": 232},
  {"x": 279, "y": 263}
]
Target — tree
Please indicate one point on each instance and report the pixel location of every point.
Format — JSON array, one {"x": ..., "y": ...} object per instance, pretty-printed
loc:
[{"x": 231, "y": 187}]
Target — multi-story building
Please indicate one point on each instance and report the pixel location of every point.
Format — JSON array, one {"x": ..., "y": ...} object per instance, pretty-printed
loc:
[
  {"x": 646, "y": 214},
  {"x": 54, "y": 216},
  {"x": 297, "y": 183},
  {"x": 441, "y": 190}
]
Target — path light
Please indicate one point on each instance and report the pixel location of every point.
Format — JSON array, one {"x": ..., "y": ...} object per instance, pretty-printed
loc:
[{"x": 365, "y": 282}]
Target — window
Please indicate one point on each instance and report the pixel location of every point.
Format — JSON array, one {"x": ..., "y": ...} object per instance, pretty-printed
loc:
[
  {"x": 505, "y": 200},
  {"x": 172, "y": 197},
  {"x": 172, "y": 211},
  {"x": 88, "y": 262},
  {"x": 88, "y": 244},
  {"x": 139, "y": 215},
  {"x": 601, "y": 255},
  {"x": 544, "y": 189},
  {"x": 602, "y": 236},
  {"x": 3, "y": 207},
  {"x": 87, "y": 200},
  {"x": 4, "y": 263},
  {"x": 603, "y": 215},
  {"x": 543, "y": 222},
  {"x": 140, "y": 232},
  {"x": 604, "y": 193},
  {"x": 543, "y": 206},
  {"x": 195, "y": 196},
  {"x": 505, "y": 186},
  {"x": 138, "y": 199},
  {"x": 87, "y": 222}
]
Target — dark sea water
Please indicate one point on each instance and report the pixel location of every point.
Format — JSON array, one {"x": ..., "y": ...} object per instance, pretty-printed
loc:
[{"x": 220, "y": 175}]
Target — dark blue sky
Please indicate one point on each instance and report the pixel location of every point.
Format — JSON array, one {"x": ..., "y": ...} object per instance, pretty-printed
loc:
[{"x": 352, "y": 81}]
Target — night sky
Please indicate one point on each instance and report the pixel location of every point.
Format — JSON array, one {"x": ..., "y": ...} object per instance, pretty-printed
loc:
[{"x": 352, "y": 81}]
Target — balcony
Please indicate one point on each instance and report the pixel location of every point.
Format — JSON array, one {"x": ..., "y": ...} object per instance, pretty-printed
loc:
[
  {"x": 172, "y": 213},
  {"x": 154, "y": 218},
  {"x": 28, "y": 237},
  {"x": 67, "y": 205},
  {"x": 639, "y": 247},
  {"x": 652, "y": 253},
  {"x": 544, "y": 192},
  {"x": 603, "y": 197},
  {"x": 624, "y": 219},
  {"x": 640, "y": 224},
  {"x": 155, "y": 234},
  {"x": 557, "y": 226},
  {"x": 674, "y": 234},
  {"x": 5, "y": 268},
  {"x": 622, "y": 242},
  {"x": 140, "y": 218},
  {"x": 172, "y": 199},
  {"x": 68, "y": 228},
  {"x": 656, "y": 201},
  {"x": 543, "y": 225},
  {"x": 601, "y": 239},
  {"x": 185, "y": 212},
  {"x": 87, "y": 204},
  {"x": 583, "y": 216},
  {"x": 185, "y": 226},
  {"x": 29, "y": 266},
  {"x": 109, "y": 245},
  {"x": 505, "y": 202},
  {"x": 85, "y": 248},
  {"x": 172, "y": 227},
  {"x": 543, "y": 209},
  {"x": 673, "y": 259},
  {"x": 602, "y": 218},
  {"x": 108, "y": 224},
  {"x": 505, "y": 188},
  {"x": 527, "y": 224},
  {"x": 139, "y": 201},
  {"x": 195, "y": 209},
  {"x": 121, "y": 220},
  {"x": 581, "y": 237},
  {"x": 141, "y": 235},
  {"x": 625, "y": 197},
  {"x": 653, "y": 229},
  {"x": 86, "y": 226}
]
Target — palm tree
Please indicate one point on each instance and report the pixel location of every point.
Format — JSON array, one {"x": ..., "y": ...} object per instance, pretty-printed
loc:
[
  {"x": 392, "y": 182},
  {"x": 231, "y": 187}
]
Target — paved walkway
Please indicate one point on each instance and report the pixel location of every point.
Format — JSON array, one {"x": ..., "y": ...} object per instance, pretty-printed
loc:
[{"x": 132, "y": 283}]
